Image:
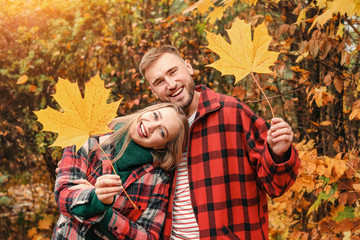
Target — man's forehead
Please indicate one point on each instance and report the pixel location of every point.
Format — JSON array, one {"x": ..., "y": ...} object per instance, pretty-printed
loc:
[{"x": 161, "y": 66}]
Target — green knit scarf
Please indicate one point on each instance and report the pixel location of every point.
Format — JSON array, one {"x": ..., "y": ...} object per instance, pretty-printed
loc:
[{"x": 133, "y": 156}]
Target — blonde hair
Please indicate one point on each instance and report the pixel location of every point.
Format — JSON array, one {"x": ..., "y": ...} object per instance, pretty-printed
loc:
[
  {"x": 167, "y": 158},
  {"x": 153, "y": 54}
]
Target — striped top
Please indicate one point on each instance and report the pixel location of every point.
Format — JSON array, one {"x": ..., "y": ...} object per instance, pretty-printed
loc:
[{"x": 184, "y": 225}]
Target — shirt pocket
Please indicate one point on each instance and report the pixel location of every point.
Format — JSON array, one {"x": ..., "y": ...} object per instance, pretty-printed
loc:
[
  {"x": 134, "y": 214},
  {"x": 131, "y": 212}
]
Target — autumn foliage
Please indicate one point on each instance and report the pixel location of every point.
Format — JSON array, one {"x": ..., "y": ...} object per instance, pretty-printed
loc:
[{"x": 311, "y": 78}]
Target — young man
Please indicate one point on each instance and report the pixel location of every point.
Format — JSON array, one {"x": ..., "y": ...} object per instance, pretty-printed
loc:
[{"x": 232, "y": 162}]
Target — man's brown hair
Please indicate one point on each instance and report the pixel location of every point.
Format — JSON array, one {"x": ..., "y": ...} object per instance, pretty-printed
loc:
[{"x": 153, "y": 54}]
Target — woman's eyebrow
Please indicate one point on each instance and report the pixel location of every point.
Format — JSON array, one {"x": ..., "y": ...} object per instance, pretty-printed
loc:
[{"x": 159, "y": 113}]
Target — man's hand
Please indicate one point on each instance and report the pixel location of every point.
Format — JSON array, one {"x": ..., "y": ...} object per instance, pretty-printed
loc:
[
  {"x": 107, "y": 186},
  {"x": 280, "y": 137}
]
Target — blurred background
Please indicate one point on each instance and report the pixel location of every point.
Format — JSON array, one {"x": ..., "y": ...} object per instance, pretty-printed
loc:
[{"x": 315, "y": 87}]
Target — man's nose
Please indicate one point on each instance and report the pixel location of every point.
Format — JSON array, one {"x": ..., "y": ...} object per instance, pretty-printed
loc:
[{"x": 171, "y": 84}]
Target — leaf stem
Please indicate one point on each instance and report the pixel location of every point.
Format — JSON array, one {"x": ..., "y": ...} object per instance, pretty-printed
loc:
[
  {"x": 267, "y": 100},
  {"x": 134, "y": 205}
]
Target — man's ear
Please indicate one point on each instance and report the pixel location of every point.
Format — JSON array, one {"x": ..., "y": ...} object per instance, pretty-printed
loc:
[
  {"x": 154, "y": 93},
  {"x": 189, "y": 67}
]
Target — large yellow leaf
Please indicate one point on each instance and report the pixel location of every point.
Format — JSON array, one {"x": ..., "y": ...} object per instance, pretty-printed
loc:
[
  {"x": 243, "y": 56},
  {"x": 80, "y": 117}
]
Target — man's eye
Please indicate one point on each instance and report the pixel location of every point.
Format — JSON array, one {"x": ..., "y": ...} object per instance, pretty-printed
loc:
[
  {"x": 172, "y": 72},
  {"x": 156, "y": 116},
  {"x": 159, "y": 82},
  {"x": 162, "y": 133}
]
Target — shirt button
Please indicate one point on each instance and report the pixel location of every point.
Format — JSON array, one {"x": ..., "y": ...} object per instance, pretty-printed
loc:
[
  {"x": 83, "y": 228},
  {"x": 115, "y": 228}
]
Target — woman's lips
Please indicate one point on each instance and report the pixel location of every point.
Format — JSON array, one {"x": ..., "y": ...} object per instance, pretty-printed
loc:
[{"x": 141, "y": 130}]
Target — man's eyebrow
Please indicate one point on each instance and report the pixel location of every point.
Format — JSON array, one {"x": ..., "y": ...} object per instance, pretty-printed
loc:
[
  {"x": 161, "y": 117},
  {"x": 171, "y": 69},
  {"x": 160, "y": 78},
  {"x": 156, "y": 80}
]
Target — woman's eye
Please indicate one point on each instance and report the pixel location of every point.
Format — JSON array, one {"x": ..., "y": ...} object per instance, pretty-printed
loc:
[
  {"x": 155, "y": 116},
  {"x": 162, "y": 133}
]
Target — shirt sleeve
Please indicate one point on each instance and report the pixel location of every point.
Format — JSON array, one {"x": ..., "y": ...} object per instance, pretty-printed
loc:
[
  {"x": 73, "y": 166},
  {"x": 92, "y": 208},
  {"x": 275, "y": 178}
]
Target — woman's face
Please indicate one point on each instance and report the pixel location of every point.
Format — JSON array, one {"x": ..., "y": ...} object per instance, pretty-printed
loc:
[{"x": 155, "y": 128}]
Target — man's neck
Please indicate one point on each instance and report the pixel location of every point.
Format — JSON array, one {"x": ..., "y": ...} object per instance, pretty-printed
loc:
[{"x": 194, "y": 104}]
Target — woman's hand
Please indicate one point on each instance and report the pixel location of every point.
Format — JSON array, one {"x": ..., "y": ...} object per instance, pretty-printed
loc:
[
  {"x": 81, "y": 184},
  {"x": 107, "y": 186}
]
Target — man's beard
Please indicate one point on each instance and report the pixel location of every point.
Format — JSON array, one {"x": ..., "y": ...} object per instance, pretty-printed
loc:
[{"x": 191, "y": 96}]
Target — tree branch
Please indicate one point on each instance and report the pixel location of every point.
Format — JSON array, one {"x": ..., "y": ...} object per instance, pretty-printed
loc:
[{"x": 352, "y": 25}]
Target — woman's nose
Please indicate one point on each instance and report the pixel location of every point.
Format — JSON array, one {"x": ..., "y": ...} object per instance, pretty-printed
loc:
[{"x": 152, "y": 126}]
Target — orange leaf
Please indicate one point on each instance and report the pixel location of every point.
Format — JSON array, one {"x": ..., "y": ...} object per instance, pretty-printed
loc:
[
  {"x": 356, "y": 187},
  {"x": 325, "y": 123},
  {"x": 327, "y": 79},
  {"x": 45, "y": 223},
  {"x": 32, "y": 88},
  {"x": 32, "y": 232},
  {"x": 23, "y": 79},
  {"x": 338, "y": 83},
  {"x": 239, "y": 92},
  {"x": 355, "y": 113}
]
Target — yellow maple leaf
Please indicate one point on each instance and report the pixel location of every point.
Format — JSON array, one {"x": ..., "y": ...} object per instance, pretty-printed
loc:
[
  {"x": 349, "y": 7},
  {"x": 243, "y": 56},
  {"x": 80, "y": 117},
  {"x": 201, "y": 6},
  {"x": 218, "y": 12}
]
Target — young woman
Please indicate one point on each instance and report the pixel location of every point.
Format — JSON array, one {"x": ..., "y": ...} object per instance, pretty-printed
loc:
[{"x": 92, "y": 198}]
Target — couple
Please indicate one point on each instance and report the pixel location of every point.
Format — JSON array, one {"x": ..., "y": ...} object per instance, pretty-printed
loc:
[{"x": 226, "y": 165}]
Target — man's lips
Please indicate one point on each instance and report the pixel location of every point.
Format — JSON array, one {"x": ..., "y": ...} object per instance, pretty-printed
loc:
[
  {"x": 142, "y": 131},
  {"x": 177, "y": 92}
]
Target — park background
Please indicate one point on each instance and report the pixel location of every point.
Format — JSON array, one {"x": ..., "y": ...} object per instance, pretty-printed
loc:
[{"x": 315, "y": 87}]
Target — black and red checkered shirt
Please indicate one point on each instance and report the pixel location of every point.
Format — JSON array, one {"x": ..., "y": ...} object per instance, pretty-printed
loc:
[
  {"x": 231, "y": 170},
  {"x": 147, "y": 186}
]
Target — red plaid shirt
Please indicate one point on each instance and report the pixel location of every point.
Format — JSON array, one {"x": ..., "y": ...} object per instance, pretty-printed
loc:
[
  {"x": 231, "y": 170},
  {"x": 147, "y": 186}
]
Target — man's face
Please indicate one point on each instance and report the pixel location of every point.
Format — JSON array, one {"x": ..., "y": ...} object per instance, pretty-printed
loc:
[{"x": 170, "y": 80}]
